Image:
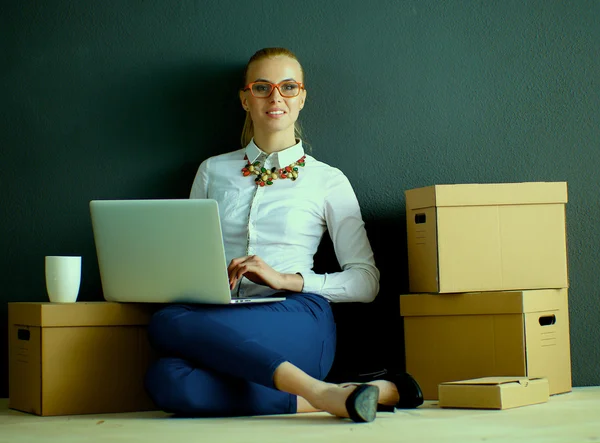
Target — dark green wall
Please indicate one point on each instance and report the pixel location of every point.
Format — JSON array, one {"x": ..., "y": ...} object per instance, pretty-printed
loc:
[{"x": 123, "y": 99}]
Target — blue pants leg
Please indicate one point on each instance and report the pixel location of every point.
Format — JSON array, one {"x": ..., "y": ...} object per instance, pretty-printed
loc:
[{"x": 220, "y": 360}]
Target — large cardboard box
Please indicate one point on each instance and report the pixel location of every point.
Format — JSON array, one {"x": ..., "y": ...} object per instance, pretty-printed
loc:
[
  {"x": 451, "y": 337},
  {"x": 493, "y": 392},
  {"x": 487, "y": 237},
  {"x": 78, "y": 358}
]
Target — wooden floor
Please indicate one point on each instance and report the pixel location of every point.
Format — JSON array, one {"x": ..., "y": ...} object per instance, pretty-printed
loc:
[{"x": 573, "y": 417}]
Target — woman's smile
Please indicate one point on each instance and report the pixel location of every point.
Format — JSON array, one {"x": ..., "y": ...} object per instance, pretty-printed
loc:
[{"x": 276, "y": 112}]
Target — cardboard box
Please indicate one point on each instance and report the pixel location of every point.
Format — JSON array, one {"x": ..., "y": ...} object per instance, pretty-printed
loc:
[
  {"x": 487, "y": 237},
  {"x": 453, "y": 337},
  {"x": 78, "y": 358},
  {"x": 493, "y": 393}
]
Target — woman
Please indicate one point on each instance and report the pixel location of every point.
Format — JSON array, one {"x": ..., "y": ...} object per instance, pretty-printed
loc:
[{"x": 275, "y": 203}]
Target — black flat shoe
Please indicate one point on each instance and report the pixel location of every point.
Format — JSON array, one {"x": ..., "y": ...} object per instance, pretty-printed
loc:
[
  {"x": 409, "y": 390},
  {"x": 361, "y": 404}
]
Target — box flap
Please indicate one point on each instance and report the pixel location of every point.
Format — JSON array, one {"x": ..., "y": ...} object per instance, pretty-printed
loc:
[
  {"x": 80, "y": 314},
  {"x": 420, "y": 198},
  {"x": 523, "y": 381},
  {"x": 472, "y": 303},
  {"x": 478, "y": 194}
]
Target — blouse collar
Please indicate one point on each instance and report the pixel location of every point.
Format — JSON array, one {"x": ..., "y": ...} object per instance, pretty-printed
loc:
[{"x": 284, "y": 158}]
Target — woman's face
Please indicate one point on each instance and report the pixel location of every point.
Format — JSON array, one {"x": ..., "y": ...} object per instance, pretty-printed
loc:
[{"x": 274, "y": 113}]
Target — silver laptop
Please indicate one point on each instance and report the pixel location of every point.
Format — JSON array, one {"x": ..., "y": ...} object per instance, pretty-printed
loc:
[{"x": 162, "y": 251}]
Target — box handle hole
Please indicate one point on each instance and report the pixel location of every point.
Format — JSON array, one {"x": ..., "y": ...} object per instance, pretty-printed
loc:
[
  {"x": 23, "y": 334},
  {"x": 547, "y": 320},
  {"x": 420, "y": 219}
]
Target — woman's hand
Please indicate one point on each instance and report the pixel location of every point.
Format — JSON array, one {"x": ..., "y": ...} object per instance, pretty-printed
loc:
[{"x": 256, "y": 270}]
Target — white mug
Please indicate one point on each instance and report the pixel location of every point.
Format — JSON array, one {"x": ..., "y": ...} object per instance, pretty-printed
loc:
[{"x": 63, "y": 277}]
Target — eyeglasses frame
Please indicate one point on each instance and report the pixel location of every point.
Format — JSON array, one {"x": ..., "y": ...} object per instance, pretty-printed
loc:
[{"x": 273, "y": 86}]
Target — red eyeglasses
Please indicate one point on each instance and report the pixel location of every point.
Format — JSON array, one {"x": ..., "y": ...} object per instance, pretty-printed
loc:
[{"x": 265, "y": 89}]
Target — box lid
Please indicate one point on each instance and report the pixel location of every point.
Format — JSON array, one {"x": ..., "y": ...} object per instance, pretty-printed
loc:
[
  {"x": 472, "y": 303},
  {"x": 481, "y": 194},
  {"x": 79, "y": 314},
  {"x": 523, "y": 381}
]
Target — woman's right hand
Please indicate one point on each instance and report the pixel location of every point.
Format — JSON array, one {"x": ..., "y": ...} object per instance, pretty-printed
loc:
[{"x": 258, "y": 271}]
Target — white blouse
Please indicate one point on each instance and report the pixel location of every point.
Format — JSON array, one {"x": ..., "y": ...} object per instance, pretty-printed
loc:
[{"x": 284, "y": 223}]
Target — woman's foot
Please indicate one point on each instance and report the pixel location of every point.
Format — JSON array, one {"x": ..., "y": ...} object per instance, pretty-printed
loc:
[
  {"x": 401, "y": 387},
  {"x": 332, "y": 399},
  {"x": 358, "y": 402},
  {"x": 388, "y": 393}
]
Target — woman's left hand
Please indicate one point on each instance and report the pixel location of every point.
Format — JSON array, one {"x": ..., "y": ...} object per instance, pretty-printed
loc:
[{"x": 256, "y": 270}]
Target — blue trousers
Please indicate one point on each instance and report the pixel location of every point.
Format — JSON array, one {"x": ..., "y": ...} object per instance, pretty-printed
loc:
[{"x": 220, "y": 360}]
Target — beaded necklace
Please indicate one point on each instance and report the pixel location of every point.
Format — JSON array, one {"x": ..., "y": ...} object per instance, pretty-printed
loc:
[{"x": 266, "y": 176}]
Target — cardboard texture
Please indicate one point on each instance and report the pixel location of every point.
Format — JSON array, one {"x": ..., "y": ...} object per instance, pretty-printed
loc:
[
  {"x": 452, "y": 337},
  {"x": 487, "y": 237},
  {"x": 493, "y": 393},
  {"x": 78, "y": 358}
]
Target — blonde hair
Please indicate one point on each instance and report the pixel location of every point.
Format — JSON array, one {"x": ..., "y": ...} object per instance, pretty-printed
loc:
[{"x": 248, "y": 129}]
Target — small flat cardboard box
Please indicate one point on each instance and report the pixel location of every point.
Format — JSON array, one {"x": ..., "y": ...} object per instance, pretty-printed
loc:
[
  {"x": 78, "y": 358},
  {"x": 487, "y": 237},
  {"x": 493, "y": 393},
  {"x": 450, "y": 337}
]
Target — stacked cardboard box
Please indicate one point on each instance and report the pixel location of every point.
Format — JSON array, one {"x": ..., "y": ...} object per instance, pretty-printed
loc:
[{"x": 488, "y": 284}]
